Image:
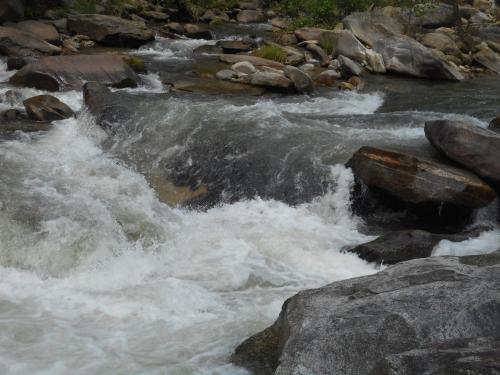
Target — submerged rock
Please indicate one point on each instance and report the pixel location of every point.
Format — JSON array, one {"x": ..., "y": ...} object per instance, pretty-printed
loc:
[
  {"x": 475, "y": 148},
  {"x": 109, "y": 30},
  {"x": 71, "y": 72},
  {"x": 47, "y": 108},
  {"x": 417, "y": 181},
  {"x": 417, "y": 310},
  {"x": 400, "y": 246},
  {"x": 19, "y": 43}
]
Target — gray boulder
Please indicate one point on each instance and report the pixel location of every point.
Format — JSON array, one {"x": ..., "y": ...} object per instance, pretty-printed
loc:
[
  {"x": 301, "y": 80},
  {"x": 47, "y": 108},
  {"x": 418, "y": 181},
  {"x": 475, "y": 148},
  {"x": 254, "y": 60},
  {"x": 409, "y": 316},
  {"x": 401, "y": 54},
  {"x": 349, "y": 46},
  {"x": 109, "y": 30},
  {"x": 18, "y": 43},
  {"x": 71, "y": 72},
  {"x": 442, "y": 42},
  {"x": 404, "y": 55},
  {"x": 400, "y": 246}
]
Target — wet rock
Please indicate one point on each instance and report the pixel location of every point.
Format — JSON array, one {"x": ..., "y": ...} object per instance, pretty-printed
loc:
[
  {"x": 174, "y": 27},
  {"x": 328, "y": 77},
  {"x": 419, "y": 182},
  {"x": 18, "y": 43},
  {"x": 109, "y": 30},
  {"x": 71, "y": 72},
  {"x": 250, "y": 16},
  {"x": 349, "y": 67},
  {"x": 349, "y": 46},
  {"x": 235, "y": 46},
  {"x": 16, "y": 63},
  {"x": 225, "y": 75},
  {"x": 47, "y": 108},
  {"x": 11, "y": 11},
  {"x": 489, "y": 59},
  {"x": 302, "y": 82},
  {"x": 12, "y": 114},
  {"x": 245, "y": 67},
  {"x": 41, "y": 30},
  {"x": 272, "y": 81},
  {"x": 254, "y": 60},
  {"x": 400, "y": 246},
  {"x": 475, "y": 148},
  {"x": 415, "y": 309},
  {"x": 197, "y": 32}
]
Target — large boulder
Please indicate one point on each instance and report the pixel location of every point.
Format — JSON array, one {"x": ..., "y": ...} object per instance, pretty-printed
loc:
[
  {"x": 400, "y": 246},
  {"x": 71, "y": 72},
  {"x": 442, "y": 42},
  {"x": 404, "y": 55},
  {"x": 348, "y": 45},
  {"x": 411, "y": 316},
  {"x": 473, "y": 147},
  {"x": 418, "y": 181},
  {"x": 109, "y": 30},
  {"x": 42, "y": 30},
  {"x": 47, "y": 108},
  {"x": 18, "y": 43},
  {"x": 370, "y": 27},
  {"x": 401, "y": 54},
  {"x": 11, "y": 10}
]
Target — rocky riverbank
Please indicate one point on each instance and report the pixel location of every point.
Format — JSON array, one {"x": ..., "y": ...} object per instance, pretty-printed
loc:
[{"x": 265, "y": 110}]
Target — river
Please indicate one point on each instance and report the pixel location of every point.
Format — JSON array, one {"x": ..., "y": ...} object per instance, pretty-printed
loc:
[{"x": 98, "y": 275}]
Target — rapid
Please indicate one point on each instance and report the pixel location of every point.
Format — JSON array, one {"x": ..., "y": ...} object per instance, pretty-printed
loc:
[{"x": 101, "y": 274}]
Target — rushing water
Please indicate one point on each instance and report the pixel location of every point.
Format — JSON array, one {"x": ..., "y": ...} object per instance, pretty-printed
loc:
[{"x": 99, "y": 276}]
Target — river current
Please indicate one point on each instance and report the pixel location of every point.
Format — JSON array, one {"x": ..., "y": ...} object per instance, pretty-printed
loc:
[{"x": 98, "y": 275}]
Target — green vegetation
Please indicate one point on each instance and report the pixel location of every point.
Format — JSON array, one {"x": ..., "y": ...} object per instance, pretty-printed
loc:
[
  {"x": 85, "y": 6},
  {"x": 271, "y": 52}
]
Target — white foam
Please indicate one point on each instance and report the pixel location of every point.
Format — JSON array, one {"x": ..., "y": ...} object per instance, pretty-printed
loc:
[
  {"x": 487, "y": 242},
  {"x": 104, "y": 278},
  {"x": 164, "y": 49},
  {"x": 4, "y": 73}
]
